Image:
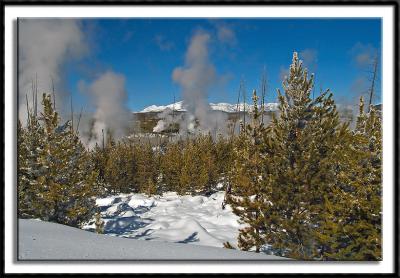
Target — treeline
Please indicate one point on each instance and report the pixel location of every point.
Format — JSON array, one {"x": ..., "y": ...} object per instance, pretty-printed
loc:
[
  {"x": 194, "y": 165},
  {"x": 304, "y": 184}
]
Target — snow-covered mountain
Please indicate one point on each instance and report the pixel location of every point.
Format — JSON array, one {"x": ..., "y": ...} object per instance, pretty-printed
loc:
[
  {"x": 225, "y": 107},
  {"x": 177, "y": 106}
]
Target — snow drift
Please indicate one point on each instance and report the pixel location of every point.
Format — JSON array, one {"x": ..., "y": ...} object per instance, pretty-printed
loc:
[
  {"x": 50, "y": 241},
  {"x": 197, "y": 220}
]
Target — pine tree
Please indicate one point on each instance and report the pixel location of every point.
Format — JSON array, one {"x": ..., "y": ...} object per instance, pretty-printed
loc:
[
  {"x": 305, "y": 139},
  {"x": 333, "y": 202},
  {"x": 117, "y": 168},
  {"x": 147, "y": 168},
  {"x": 198, "y": 172},
  {"x": 223, "y": 157},
  {"x": 30, "y": 167},
  {"x": 193, "y": 175},
  {"x": 354, "y": 217},
  {"x": 171, "y": 166},
  {"x": 248, "y": 181},
  {"x": 206, "y": 151},
  {"x": 151, "y": 187},
  {"x": 99, "y": 158},
  {"x": 64, "y": 188}
]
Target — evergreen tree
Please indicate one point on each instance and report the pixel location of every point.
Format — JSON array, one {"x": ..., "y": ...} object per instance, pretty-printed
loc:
[
  {"x": 151, "y": 187},
  {"x": 193, "y": 173},
  {"x": 147, "y": 168},
  {"x": 198, "y": 172},
  {"x": 30, "y": 167},
  {"x": 368, "y": 213},
  {"x": 99, "y": 158},
  {"x": 353, "y": 219},
  {"x": 63, "y": 184},
  {"x": 223, "y": 158},
  {"x": 171, "y": 166},
  {"x": 303, "y": 140},
  {"x": 249, "y": 177},
  {"x": 205, "y": 149}
]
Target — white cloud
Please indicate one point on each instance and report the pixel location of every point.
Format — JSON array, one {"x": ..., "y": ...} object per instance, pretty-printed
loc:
[
  {"x": 163, "y": 43},
  {"x": 226, "y": 34},
  {"x": 363, "y": 54}
]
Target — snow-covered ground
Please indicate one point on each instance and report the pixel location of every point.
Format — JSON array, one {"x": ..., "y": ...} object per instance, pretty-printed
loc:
[
  {"x": 39, "y": 240},
  {"x": 138, "y": 227},
  {"x": 187, "y": 219}
]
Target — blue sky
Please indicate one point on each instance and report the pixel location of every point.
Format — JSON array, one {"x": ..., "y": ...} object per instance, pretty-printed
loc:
[{"x": 146, "y": 51}]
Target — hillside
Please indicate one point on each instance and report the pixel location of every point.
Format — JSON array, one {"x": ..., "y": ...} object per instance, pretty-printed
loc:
[
  {"x": 146, "y": 119},
  {"x": 224, "y": 107}
]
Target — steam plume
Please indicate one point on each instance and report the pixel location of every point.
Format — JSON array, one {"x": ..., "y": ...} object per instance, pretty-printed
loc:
[
  {"x": 44, "y": 46},
  {"x": 108, "y": 95},
  {"x": 168, "y": 117},
  {"x": 196, "y": 78}
]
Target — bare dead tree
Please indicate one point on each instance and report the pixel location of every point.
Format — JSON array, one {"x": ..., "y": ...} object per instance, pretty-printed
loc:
[
  {"x": 27, "y": 107},
  {"x": 173, "y": 109},
  {"x": 36, "y": 93},
  {"x": 237, "y": 107},
  {"x": 374, "y": 75},
  {"x": 102, "y": 132},
  {"x": 53, "y": 92},
  {"x": 79, "y": 119},
  {"x": 33, "y": 95},
  {"x": 72, "y": 114},
  {"x": 244, "y": 105},
  {"x": 313, "y": 91},
  {"x": 263, "y": 93}
]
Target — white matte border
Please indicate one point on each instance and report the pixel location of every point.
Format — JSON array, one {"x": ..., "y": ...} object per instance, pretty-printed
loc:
[{"x": 384, "y": 12}]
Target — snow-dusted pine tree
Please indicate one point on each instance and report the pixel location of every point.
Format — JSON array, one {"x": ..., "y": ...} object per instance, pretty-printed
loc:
[
  {"x": 170, "y": 166},
  {"x": 64, "y": 189},
  {"x": 30, "y": 167},
  {"x": 98, "y": 157},
  {"x": 249, "y": 178},
  {"x": 304, "y": 138},
  {"x": 147, "y": 168},
  {"x": 194, "y": 174},
  {"x": 206, "y": 152},
  {"x": 352, "y": 226},
  {"x": 118, "y": 167}
]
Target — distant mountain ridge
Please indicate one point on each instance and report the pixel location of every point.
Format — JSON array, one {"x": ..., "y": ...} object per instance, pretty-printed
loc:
[{"x": 225, "y": 107}]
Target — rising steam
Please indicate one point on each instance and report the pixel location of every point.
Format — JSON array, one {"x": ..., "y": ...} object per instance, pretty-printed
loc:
[
  {"x": 108, "y": 95},
  {"x": 196, "y": 78},
  {"x": 168, "y": 117},
  {"x": 44, "y": 46}
]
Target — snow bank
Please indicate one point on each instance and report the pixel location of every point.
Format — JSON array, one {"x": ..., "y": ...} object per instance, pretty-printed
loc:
[
  {"x": 49, "y": 241},
  {"x": 187, "y": 219}
]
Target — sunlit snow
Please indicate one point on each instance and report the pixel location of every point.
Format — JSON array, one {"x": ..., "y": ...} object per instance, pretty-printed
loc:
[{"x": 171, "y": 218}]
